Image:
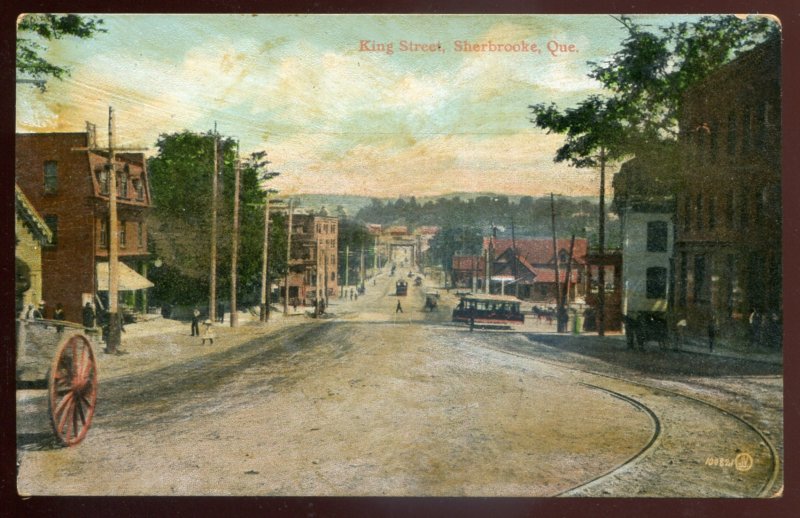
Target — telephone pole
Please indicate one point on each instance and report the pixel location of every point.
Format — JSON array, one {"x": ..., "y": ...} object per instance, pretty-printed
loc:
[
  {"x": 113, "y": 244},
  {"x": 235, "y": 239},
  {"x": 288, "y": 261},
  {"x": 265, "y": 263},
  {"x": 212, "y": 297},
  {"x": 601, "y": 293},
  {"x": 114, "y": 338},
  {"x": 555, "y": 256}
]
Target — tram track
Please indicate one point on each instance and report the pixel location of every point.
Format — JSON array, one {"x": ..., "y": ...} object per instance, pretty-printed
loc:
[{"x": 774, "y": 460}]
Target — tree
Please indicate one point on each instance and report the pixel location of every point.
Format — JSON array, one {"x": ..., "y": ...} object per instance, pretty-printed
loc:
[
  {"x": 644, "y": 82},
  {"x": 33, "y": 29},
  {"x": 180, "y": 182}
]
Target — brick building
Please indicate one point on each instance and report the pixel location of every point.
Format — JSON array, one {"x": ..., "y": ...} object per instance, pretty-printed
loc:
[
  {"x": 313, "y": 258},
  {"x": 728, "y": 221},
  {"x": 68, "y": 185}
]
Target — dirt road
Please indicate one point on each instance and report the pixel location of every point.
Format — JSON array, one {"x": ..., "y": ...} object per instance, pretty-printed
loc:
[{"x": 378, "y": 402}]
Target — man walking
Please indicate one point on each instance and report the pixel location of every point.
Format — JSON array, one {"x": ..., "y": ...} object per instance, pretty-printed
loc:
[
  {"x": 399, "y": 308},
  {"x": 196, "y": 322}
]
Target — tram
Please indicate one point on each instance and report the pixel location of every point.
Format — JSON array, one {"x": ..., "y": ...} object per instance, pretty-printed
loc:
[{"x": 496, "y": 311}]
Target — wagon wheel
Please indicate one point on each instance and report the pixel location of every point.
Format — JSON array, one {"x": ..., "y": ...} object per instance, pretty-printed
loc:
[{"x": 72, "y": 389}]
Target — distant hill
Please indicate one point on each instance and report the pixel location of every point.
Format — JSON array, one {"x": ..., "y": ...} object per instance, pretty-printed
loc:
[{"x": 352, "y": 204}]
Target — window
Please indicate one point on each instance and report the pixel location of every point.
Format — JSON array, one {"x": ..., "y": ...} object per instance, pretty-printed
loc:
[
  {"x": 656, "y": 236},
  {"x": 699, "y": 211},
  {"x": 50, "y": 177},
  {"x": 52, "y": 222},
  {"x": 684, "y": 280},
  {"x": 656, "y": 282},
  {"x": 140, "y": 234},
  {"x": 138, "y": 186},
  {"x": 746, "y": 129},
  {"x": 701, "y": 285},
  {"x": 333, "y": 276},
  {"x": 687, "y": 213},
  {"x": 104, "y": 233},
  {"x": 122, "y": 184},
  {"x": 712, "y": 212},
  {"x": 730, "y": 212},
  {"x": 731, "y": 135},
  {"x": 123, "y": 238},
  {"x": 102, "y": 179},
  {"x": 744, "y": 210}
]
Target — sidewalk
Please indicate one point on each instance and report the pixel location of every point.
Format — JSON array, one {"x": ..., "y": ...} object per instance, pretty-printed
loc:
[
  {"x": 723, "y": 348},
  {"x": 158, "y": 342}
]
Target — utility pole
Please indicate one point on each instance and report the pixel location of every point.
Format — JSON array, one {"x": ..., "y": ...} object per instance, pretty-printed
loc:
[
  {"x": 114, "y": 337},
  {"x": 325, "y": 282},
  {"x": 514, "y": 259},
  {"x": 601, "y": 293},
  {"x": 212, "y": 296},
  {"x": 235, "y": 239},
  {"x": 264, "y": 314},
  {"x": 555, "y": 256},
  {"x": 361, "y": 266},
  {"x": 288, "y": 261},
  {"x": 375, "y": 258},
  {"x": 347, "y": 265}
]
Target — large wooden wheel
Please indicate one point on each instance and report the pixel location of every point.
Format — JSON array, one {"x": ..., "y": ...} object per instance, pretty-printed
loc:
[{"x": 72, "y": 389}]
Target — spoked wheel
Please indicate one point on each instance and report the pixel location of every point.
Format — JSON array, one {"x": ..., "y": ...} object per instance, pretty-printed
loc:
[{"x": 72, "y": 389}]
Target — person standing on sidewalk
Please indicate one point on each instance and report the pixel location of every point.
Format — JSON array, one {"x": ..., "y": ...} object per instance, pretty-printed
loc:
[
  {"x": 399, "y": 308},
  {"x": 221, "y": 313},
  {"x": 712, "y": 333},
  {"x": 58, "y": 314},
  {"x": 196, "y": 322},
  {"x": 88, "y": 316}
]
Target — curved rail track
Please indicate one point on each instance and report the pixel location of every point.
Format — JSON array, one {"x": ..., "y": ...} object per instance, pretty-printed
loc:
[{"x": 775, "y": 464}]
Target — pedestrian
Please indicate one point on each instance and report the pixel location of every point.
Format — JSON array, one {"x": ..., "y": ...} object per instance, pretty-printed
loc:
[
  {"x": 712, "y": 333},
  {"x": 221, "y": 312},
  {"x": 58, "y": 314},
  {"x": 294, "y": 304},
  {"x": 351, "y": 294},
  {"x": 208, "y": 332},
  {"x": 682, "y": 325},
  {"x": 755, "y": 322},
  {"x": 356, "y": 296},
  {"x": 321, "y": 307},
  {"x": 88, "y": 316},
  {"x": 196, "y": 322},
  {"x": 399, "y": 308},
  {"x": 42, "y": 310}
]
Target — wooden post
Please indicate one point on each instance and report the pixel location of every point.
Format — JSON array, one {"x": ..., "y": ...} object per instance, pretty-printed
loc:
[
  {"x": 264, "y": 314},
  {"x": 601, "y": 293},
  {"x": 113, "y": 244},
  {"x": 212, "y": 278},
  {"x": 235, "y": 241},
  {"x": 555, "y": 250},
  {"x": 288, "y": 262}
]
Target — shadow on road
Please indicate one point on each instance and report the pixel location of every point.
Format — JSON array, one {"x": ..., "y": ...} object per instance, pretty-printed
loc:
[{"x": 654, "y": 361}]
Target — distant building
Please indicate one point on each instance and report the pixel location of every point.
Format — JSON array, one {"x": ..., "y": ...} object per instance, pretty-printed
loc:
[
  {"x": 31, "y": 233},
  {"x": 68, "y": 185},
  {"x": 314, "y": 258},
  {"x": 728, "y": 224},
  {"x": 469, "y": 271},
  {"x": 401, "y": 246},
  {"x": 530, "y": 263}
]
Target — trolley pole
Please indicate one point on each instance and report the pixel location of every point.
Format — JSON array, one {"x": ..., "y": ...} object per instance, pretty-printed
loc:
[
  {"x": 114, "y": 337},
  {"x": 288, "y": 261},
  {"x": 212, "y": 277},
  {"x": 235, "y": 241},
  {"x": 264, "y": 263}
]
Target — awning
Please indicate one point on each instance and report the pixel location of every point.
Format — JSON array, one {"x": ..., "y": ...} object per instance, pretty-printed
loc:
[{"x": 129, "y": 280}]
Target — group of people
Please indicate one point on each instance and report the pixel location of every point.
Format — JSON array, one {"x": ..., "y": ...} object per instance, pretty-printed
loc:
[{"x": 40, "y": 312}]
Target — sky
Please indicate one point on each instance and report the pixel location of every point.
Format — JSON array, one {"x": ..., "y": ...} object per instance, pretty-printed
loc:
[{"x": 337, "y": 112}]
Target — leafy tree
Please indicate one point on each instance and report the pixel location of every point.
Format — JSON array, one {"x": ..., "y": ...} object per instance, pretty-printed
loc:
[
  {"x": 180, "y": 222},
  {"x": 34, "y": 29}
]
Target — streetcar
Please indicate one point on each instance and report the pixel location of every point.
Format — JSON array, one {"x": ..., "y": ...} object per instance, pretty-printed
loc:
[
  {"x": 489, "y": 311},
  {"x": 401, "y": 288}
]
